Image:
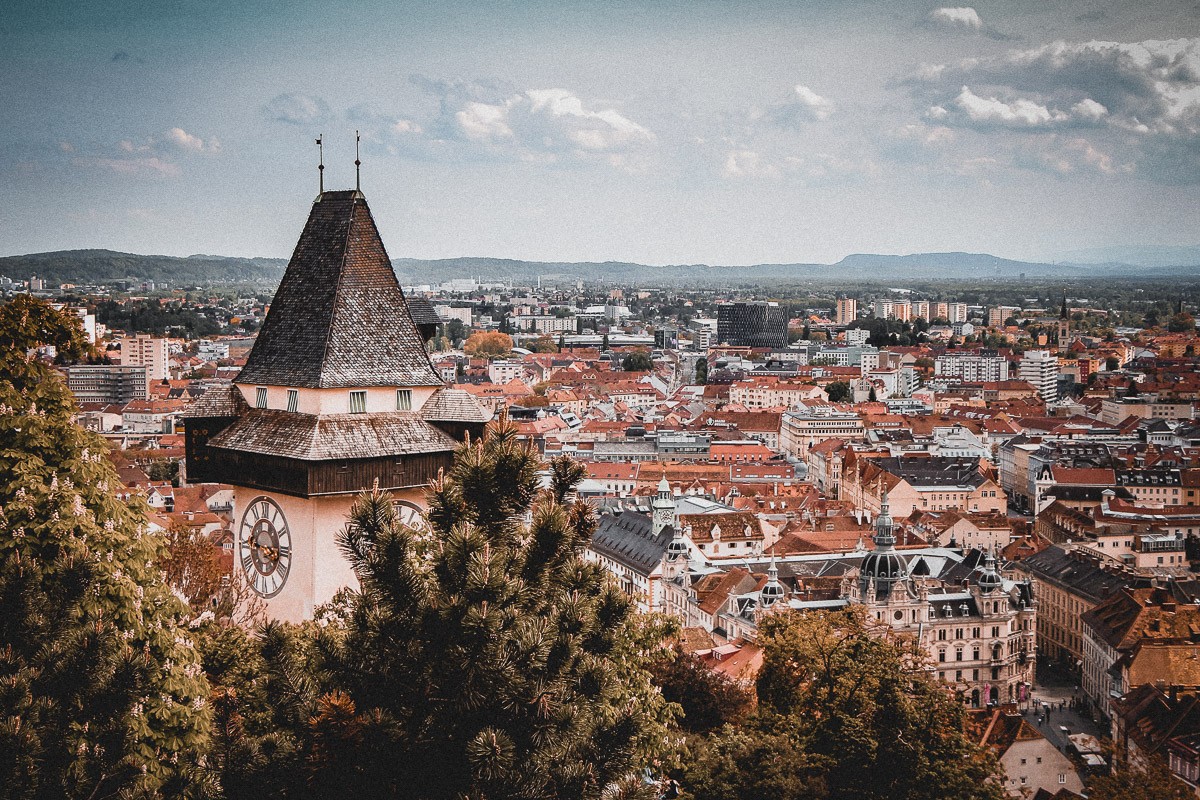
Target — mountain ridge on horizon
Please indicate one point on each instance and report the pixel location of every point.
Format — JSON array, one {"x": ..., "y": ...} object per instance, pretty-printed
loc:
[{"x": 98, "y": 265}]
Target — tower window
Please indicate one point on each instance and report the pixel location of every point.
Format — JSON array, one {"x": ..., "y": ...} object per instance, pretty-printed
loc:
[
  {"x": 260, "y": 397},
  {"x": 404, "y": 399},
  {"x": 358, "y": 402},
  {"x": 293, "y": 399}
]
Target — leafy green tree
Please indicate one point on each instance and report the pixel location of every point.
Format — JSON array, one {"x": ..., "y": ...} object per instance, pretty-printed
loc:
[
  {"x": 868, "y": 712},
  {"x": 488, "y": 344},
  {"x": 100, "y": 688},
  {"x": 1151, "y": 781},
  {"x": 701, "y": 371},
  {"x": 484, "y": 658},
  {"x": 164, "y": 469},
  {"x": 764, "y": 758},
  {"x": 708, "y": 699},
  {"x": 838, "y": 391},
  {"x": 1182, "y": 322},
  {"x": 456, "y": 332},
  {"x": 637, "y": 361}
]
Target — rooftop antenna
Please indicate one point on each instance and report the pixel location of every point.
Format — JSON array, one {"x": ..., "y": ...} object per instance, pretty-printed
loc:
[
  {"x": 321, "y": 164},
  {"x": 357, "y": 164}
]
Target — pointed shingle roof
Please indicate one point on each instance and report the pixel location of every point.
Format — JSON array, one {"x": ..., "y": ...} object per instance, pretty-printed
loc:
[{"x": 339, "y": 318}]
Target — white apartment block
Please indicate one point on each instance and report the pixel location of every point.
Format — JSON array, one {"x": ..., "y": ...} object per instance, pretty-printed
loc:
[
  {"x": 1040, "y": 368},
  {"x": 146, "y": 351},
  {"x": 971, "y": 368},
  {"x": 800, "y": 431}
]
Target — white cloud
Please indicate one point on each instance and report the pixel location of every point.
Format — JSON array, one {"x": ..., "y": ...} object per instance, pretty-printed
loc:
[
  {"x": 957, "y": 17},
  {"x": 538, "y": 125},
  {"x": 802, "y": 105},
  {"x": 483, "y": 122},
  {"x": 820, "y": 107},
  {"x": 1018, "y": 113},
  {"x": 1070, "y": 156},
  {"x": 186, "y": 141},
  {"x": 403, "y": 126},
  {"x": 1141, "y": 100},
  {"x": 1089, "y": 109},
  {"x": 297, "y": 109},
  {"x": 746, "y": 163}
]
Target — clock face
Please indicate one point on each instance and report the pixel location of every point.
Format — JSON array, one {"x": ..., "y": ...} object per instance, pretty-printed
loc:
[
  {"x": 265, "y": 547},
  {"x": 411, "y": 515}
]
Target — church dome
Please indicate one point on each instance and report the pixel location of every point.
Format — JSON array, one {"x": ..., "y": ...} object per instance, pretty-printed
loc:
[
  {"x": 677, "y": 548},
  {"x": 989, "y": 577},
  {"x": 885, "y": 565},
  {"x": 773, "y": 592}
]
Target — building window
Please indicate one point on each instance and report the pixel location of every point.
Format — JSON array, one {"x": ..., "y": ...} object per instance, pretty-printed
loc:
[
  {"x": 404, "y": 399},
  {"x": 293, "y": 399},
  {"x": 1062, "y": 776},
  {"x": 260, "y": 397},
  {"x": 358, "y": 402}
]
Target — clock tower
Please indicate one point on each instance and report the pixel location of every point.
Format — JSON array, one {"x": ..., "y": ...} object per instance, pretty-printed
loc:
[{"x": 338, "y": 394}]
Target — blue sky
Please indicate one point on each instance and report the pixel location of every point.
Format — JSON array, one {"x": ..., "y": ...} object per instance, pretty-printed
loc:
[{"x": 661, "y": 132}]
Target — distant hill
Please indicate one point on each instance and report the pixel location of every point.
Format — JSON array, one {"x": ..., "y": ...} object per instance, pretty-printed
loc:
[
  {"x": 1138, "y": 256},
  {"x": 106, "y": 266}
]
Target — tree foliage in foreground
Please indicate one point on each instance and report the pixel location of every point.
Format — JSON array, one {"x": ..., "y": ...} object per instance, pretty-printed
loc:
[
  {"x": 100, "y": 688},
  {"x": 854, "y": 716},
  {"x": 1149, "y": 781},
  {"x": 481, "y": 659}
]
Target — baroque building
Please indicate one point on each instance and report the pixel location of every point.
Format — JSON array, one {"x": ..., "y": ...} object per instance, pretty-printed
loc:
[{"x": 977, "y": 627}]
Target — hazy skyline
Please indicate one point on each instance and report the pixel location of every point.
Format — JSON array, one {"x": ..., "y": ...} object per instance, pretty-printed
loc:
[{"x": 671, "y": 132}]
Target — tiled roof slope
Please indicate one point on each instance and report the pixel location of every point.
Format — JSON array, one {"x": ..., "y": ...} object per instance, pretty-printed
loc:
[
  {"x": 453, "y": 405},
  {"x": 339, "y": 318},
  {"x": 628, "y": 538},
  {"x": 332, "y": 436},
  {"x": 221, "y": 400}
]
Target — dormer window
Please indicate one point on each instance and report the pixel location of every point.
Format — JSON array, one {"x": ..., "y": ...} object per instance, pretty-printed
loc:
[
  {"x": 260, "y": 397},
  {"x": 293, "y": 400},
  {"x": 404, "y": 399},
  {"x": 358, "y": 402}
]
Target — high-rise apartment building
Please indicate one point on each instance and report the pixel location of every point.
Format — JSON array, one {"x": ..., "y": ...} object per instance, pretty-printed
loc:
[
  {"x": 922, "y": 309},
  {"x": 1040, "y": 368},
  {"x": 146, "y": 351},
  {"x": 956, "y": 312},
  {"x": 107, "y": 383},
  {"x": 847, "y": 310},
  {"x": 972, "y": 367},
  {"x": 752, "y": 324},
  {"x": 999, "y": 314}
]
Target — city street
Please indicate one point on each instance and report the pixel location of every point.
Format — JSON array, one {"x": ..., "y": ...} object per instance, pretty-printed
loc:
[{"x": 1073, "y": 722}]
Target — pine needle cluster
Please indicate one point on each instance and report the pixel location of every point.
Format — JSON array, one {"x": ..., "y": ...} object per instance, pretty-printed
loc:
[{"x": 483, "y": 656}]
